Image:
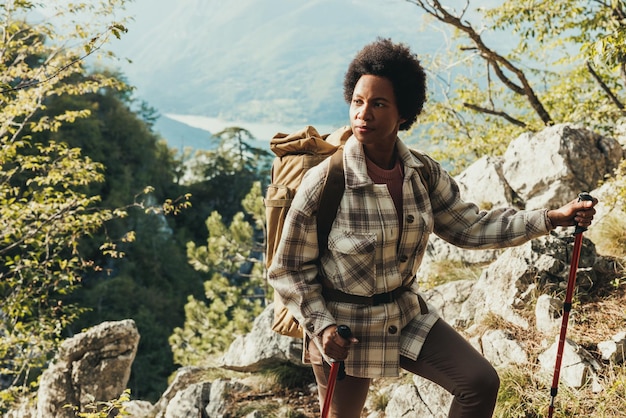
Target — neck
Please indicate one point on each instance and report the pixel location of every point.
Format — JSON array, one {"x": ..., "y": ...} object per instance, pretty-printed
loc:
[{"x": 385, "y": 159}]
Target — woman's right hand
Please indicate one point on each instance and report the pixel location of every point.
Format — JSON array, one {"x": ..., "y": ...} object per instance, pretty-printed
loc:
[{"x": 334, "y": 345}]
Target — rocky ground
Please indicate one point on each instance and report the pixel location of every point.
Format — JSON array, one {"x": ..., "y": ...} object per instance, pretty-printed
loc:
[{"x": 300, "y": 403}]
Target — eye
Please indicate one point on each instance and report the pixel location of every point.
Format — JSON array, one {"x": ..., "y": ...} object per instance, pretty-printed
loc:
[{"x": 357, "y": 101}]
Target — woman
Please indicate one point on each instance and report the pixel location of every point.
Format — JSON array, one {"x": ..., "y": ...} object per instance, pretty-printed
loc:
[{"x": 376, "y": 244}]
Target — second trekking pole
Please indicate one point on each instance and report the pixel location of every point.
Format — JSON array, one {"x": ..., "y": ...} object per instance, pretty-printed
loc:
[
  {"x": 567, "y": 306},
  {"x": 336, "y": 372}
]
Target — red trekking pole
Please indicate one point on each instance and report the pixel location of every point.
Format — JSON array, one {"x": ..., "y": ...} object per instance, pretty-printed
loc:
[
  {"x": 567, "y": 305},
  {"x": 337, "y": 372}
]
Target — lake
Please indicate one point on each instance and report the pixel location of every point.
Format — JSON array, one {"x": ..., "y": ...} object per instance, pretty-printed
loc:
[{"x": 194, "y": 131}]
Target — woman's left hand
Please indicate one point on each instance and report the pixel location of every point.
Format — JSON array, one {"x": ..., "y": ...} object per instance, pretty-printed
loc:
[{"x": 575, "y": 213}]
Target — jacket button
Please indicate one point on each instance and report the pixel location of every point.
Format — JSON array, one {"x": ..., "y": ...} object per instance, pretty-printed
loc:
[
  {"x": 410, "y": 219},
  {"x": 403, "y": 258},
  {"x": 392, "y": 329},
  {"x": 310, "y": 327}
]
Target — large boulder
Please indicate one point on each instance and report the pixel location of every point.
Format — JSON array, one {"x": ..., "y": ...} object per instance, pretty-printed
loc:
[
  {"x": 509, "y": 283},
  {"x": 262, "y": 347},
  {"x": 494, "y": 191},
  {"x": 544, "y": 168},
  {"x": 91, "y": 366}
]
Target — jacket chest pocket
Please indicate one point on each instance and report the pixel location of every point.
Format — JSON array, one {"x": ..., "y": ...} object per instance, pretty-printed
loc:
[{"x": 352, "y": 265}]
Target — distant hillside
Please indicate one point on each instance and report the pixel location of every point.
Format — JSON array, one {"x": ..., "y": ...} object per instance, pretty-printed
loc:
[
  {"x": 273, "y": 60},
  {"x": 180, "y": 136}
]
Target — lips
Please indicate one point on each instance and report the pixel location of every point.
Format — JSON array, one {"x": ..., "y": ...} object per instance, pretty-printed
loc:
[{"x": 363, "y": 129}]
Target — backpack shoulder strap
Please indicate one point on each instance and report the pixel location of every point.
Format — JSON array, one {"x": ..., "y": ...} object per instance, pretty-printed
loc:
[{"x": 330, "y": 199}]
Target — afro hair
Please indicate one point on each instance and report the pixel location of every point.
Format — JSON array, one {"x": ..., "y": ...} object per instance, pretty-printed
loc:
[{"x": 397, "y": 63}]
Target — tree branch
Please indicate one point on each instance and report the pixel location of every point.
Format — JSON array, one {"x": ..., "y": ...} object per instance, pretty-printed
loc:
[
  {"x": 438, "y": 11},
  {"x": 604, "y": 87},
  {"x": 504, "y": 115}
]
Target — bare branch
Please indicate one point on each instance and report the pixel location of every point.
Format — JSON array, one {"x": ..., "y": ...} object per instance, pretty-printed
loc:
[
  {"x": 40, "y": 226},
  {"x": 604, "y": 87},
  {"x": 441, "y": 13},
  {"x": 495, "y": 113},
  {"x": 34, "y": 83}
]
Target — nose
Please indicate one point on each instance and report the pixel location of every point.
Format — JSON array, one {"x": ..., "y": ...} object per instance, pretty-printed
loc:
[{"x": 364, "y": 112}]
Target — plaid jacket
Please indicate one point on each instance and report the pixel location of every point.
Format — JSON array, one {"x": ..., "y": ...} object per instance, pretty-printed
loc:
[{"x": 368, "y": 254}]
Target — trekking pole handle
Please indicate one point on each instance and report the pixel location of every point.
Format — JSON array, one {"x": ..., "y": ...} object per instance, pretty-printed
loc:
[
  {"x": 344, "y": 332},
  {"x": 582, "y": 196}
]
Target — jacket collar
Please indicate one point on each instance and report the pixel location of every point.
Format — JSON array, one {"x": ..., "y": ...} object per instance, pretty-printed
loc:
[{"x": 356, "y": 169}]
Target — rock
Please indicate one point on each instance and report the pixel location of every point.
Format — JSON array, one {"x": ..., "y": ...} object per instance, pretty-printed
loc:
[
  {"x": 578, "y": 367},
  {"x": 439, "y": 250},
  {"x": 184, "y": 378},
  {"x": 91, "y": 366},
  {"x": 544, "y": 168},
  {"x": 221, "y": 390},
  {"x": 614, "y": 350},
  {"x": 447, "y": 299},
  {"x": 189, "y": 402},
  {"x": 260, "y": 348},
  {"x": 501, "y": 349},
  {"x": 494, "y": 191},
  {"x": 507, "y": 284},
  {"x": 421, "y": 399},
  {"x": 548, "y": 310},
  {"x": 138, "y": 409}
]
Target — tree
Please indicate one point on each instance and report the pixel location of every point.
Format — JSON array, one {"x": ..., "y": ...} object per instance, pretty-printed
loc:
[
  {"x": 546, "y": 78},
  {"x": 219, "y": 178},
  {"x": 150, "y": 283},
  {"x": 234, "y": 292},
  {"x": 45, "y": 207}
]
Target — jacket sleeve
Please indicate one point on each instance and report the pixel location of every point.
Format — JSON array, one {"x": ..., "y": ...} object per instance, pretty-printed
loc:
[
  {"x": 293, "y": 272},
  {"x": 465, "y": 225}
]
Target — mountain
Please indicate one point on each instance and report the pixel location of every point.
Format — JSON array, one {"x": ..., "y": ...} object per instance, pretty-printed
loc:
[{"x": 257, "y": 60}]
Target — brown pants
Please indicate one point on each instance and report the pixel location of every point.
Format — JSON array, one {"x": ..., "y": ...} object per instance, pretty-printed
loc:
[{"x": 446, "y": 359}]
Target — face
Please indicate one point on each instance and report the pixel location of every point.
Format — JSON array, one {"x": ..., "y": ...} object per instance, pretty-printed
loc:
[{"x": 374, "y": 115}]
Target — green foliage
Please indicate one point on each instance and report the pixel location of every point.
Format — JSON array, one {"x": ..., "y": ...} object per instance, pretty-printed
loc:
[
  {"x": 144, "y": 275},
  {"x": 42, "y": 216},
  {"x": 233, "y": 296},
  {"x": 556, "y": 73},
  {"x": 46, "y": 207},
  {"x": 105, "y": 409},
  {"x": 219, "y": 179},
  {"x": 149, "y": 278},
  {"x": 618, "y": 198}
]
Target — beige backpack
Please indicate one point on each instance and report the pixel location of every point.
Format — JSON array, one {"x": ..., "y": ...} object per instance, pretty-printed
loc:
[{"x": 295, "y": 154}]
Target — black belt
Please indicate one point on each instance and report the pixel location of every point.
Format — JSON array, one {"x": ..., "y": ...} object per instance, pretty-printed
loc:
[{"x": 335, "y": 295}]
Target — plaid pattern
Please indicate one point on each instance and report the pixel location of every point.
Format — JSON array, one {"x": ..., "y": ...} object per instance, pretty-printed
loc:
[{"x": 368, "y": 254}]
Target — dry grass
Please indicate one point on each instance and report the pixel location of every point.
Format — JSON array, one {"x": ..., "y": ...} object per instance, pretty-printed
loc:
[
  {"x": 597, "y": 315},
  {"x": 445, "y": 271}
]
